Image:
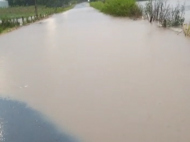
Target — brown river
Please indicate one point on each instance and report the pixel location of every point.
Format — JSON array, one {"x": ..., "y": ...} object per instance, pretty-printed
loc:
[{"x": 100, "y": 78}]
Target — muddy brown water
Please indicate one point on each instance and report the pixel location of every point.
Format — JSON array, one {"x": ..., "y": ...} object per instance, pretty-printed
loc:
[{"x": 101, "y": 78}]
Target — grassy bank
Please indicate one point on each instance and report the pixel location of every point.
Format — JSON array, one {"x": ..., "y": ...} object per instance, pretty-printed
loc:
[
  {"x": 122, "y": 8},
  {"x": 26, "y": 11},
  {"x": 13, "y": 17}
]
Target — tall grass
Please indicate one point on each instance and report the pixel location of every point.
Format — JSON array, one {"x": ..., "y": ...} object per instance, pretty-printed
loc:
[{"x": 124, "y": 8}]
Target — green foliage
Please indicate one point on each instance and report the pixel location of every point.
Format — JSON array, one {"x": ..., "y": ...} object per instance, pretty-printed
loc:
[
  {"x": 27, "y": 11},
  {"x": 48, "y": 3},
  {"x": 7, "y": 23},
  {"x": 127, "y": 8},
  {"x": 1, "y": 29},
  {"x": 98, "y": 5}
]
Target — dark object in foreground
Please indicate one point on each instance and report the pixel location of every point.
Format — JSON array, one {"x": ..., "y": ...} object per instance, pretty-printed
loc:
[{"x": 19, "y": 123}]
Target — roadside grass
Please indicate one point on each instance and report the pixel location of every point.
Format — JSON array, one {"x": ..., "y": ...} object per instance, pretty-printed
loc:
[
  {"x": 5, "y": 29},
  {"x": 98, "y": 5},
  {"x": 26, "y": 11},
  {"x": 121, "y": 8},
  {"x": 9, "y": 17}
]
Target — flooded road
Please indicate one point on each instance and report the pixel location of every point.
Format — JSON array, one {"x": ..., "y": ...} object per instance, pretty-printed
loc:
[{"x": 100, "y": 78}]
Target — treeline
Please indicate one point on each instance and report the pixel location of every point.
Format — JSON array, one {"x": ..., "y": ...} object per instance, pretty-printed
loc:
[{"x": 48, "y": 3}]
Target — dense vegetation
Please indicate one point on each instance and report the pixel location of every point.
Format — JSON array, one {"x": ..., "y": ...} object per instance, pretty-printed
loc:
[
  {"x": 48, "y": 3},
  {"x": 127, "y": 8},
  {"x": 26, "y": 11}
]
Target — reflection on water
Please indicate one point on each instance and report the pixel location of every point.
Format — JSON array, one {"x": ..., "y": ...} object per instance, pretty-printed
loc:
[
  {"x": 105, "y": 79},
  {"x": 19, "y": 123},
  {"x": 1, "y": 130}
]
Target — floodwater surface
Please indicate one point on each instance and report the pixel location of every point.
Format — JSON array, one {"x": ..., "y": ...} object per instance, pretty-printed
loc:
[{"x": 103, "y": 79}]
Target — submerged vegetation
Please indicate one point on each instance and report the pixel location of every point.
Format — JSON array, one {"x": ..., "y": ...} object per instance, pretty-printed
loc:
[
  {"x": 125, "y": 8},
  {"x": 165, "y": 14}
]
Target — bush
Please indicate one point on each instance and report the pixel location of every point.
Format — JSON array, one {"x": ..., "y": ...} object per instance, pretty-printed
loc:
[
  {"x": 1, "y": 29},
  {"x": 127, "y": 8},
  {"x": 122, "y": 8},
  {"x": 98, "y": 5}
]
